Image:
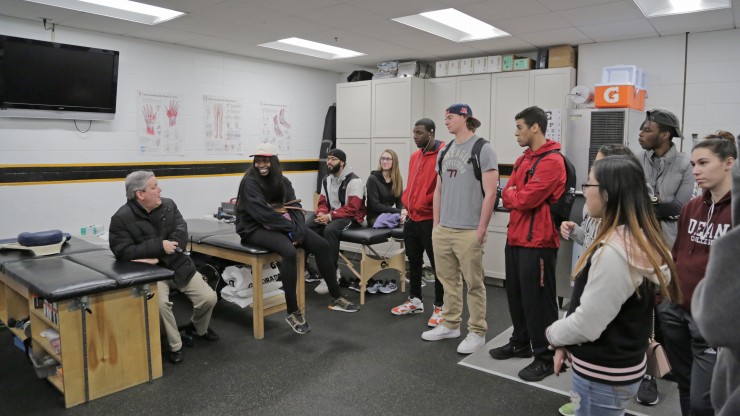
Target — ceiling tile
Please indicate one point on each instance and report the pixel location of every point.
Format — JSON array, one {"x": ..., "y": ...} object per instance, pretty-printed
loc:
[
  {"x": 292, "y": 7},
  {"x": 539, "y": 22},
  {"x": 238, "y": 13},
  {"x": 570, "y": 36},
  {"x": 559, "y": 5},
  {"x": 162, "y": 34},
  {"x": 629, "y": 29},
  {"x": 502, "y": 45},
  {"x": 289, "y": 26},
  {"x": 612, "y": 12},
  {"x": 187, "y": 6},
  {"x": 200, "y": 24},
  {"x": 393, "y": 8},
  {"x": 35, "y": 11},
  {"x": 102, "y": 24},
  {"x": 342, "y": 16},
  {"x": 490, "y": 11},
  {"x": 251, "y": 34}
]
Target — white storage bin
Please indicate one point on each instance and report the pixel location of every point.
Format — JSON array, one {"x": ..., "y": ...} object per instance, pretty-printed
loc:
[
  {"x": 440, "y": 69},
  {"x": 466, "y": 66},
  {"x": 619, "y": 75},
  {"x": 494, "y": 63},
  {"x": 480, "y": 65},
  {"x": 453, "y": 67}
]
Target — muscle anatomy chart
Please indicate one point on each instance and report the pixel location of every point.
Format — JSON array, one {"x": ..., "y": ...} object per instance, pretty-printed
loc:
[
  {"x": 223, "y": 124},
  {"x": 158, "y": 129},
  {"x": 275, "y": 125}
]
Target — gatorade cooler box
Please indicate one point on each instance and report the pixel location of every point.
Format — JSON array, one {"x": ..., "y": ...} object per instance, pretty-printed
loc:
[{"x": 622, "y": 86}]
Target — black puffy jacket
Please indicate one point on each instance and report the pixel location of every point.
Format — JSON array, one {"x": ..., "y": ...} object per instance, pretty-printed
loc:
[{"x": 136, "y": 234}]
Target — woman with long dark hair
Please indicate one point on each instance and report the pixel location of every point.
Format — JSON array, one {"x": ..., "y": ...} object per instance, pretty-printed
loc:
[
  {"x": 605, "y": 333},
  {"x": 268, "y": 215},
  {"x": 703, "y": 220}
]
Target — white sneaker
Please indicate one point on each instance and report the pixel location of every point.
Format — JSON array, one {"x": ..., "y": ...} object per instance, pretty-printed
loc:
[
  {"x": 471, "y": 343},
  {"x": 440, "y": 332},
  {"x": 436, "y": 319},
  {"x": 322, "y": 288}
]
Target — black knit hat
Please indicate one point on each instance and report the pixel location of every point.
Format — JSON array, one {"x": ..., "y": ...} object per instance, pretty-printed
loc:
[{"x": 339, "y": 154}]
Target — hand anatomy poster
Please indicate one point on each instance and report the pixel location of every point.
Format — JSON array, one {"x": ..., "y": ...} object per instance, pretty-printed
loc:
[
  {"x": 275, "y": 127},
  {"x": 158, "y": 129},
  {"x": 223, "y": 124}
]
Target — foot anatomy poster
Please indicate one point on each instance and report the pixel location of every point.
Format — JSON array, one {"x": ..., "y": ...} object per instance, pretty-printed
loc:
[
  {"x": 275, "y": 125},
  {"x": 223, "y": 124},
  {"x": 158, "y": 130}
]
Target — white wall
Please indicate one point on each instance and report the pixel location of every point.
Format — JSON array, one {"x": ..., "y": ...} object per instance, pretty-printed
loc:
[
  {"x": 154, "y": 67},
  {"x": 712, "y": 86}
]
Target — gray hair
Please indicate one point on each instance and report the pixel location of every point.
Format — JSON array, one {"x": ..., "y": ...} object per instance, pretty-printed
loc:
[{"x": 136, "y": 181}]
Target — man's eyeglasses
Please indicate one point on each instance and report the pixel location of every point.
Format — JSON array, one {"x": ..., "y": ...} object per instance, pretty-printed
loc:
[{"x": 585, "y": 186}]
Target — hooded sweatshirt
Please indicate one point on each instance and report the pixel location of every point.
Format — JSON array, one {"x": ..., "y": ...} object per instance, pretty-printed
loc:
[
  {"x": 353, "y": 205},
  {"x": 543, "y": 188},
  {"x": 419, "y": 193},
  {"x": 700, "y": 224},
  {"x": 610, "y": 318}
]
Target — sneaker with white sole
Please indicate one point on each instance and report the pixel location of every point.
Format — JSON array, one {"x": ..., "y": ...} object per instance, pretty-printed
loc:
[
  {"x": 342, "y": 305},
  {"x": 311, "y": 277},
  {"x": 647, "y": 393},
  {"x": 372, "y": 287},
  {"x": 471, "y": 343},
  {"x": 322, "y": 288},
  {"x": 436, "y": 319},
  {"x": 389, "y": 287},
  {"x": 440, "y": 332},
  {"x": 298, "y": 323},
  {"x": 411, "y": 306}
]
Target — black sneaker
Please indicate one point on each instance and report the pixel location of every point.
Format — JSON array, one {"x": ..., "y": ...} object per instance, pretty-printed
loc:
[
  {"x": 298, "y": 323},
  {"x": 510, "y": 351},
  {"x": 343, "y": 305},
  {"x": 311, "y": 277},
  {"x": 647, "y": 394},
  {"x": 537, "y": 370}
]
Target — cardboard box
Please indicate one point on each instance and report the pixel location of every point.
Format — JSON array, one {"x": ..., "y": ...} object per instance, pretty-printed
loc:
[
  {"x": 479, "y": 65},
  {"x": 523, "y": 64},
  {"x": 561, "y": 56},
  {"x": 619, "y": 96},
  {"x": 440, "y": 69},
  {"x": 494, "y": 63},
  {"x": 507, "y": 63},
  {"x": 453, "y": 67},
  {"x": 466, "y": 66}
]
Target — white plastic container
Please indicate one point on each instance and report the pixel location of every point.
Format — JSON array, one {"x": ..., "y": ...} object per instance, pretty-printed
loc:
[{"x": 619, "y": 75}]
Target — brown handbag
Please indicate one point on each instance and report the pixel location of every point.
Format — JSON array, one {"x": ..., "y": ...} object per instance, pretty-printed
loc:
[{"x": 657, "y": 360}]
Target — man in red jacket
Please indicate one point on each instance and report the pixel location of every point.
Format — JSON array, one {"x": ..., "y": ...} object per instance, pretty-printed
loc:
[
  {"x": 532, "y": 245},
  {"x": 417, "y": 230}
]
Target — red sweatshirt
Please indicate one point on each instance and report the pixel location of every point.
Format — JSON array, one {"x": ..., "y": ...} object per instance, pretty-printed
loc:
[
  {"x": 700, "y": 223},
  {"x": 543, "y": 188},
  {"x": 419, "y": 193}
]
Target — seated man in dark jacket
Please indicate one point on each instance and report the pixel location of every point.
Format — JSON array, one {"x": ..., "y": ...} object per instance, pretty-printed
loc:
[{"x": 151, "y": 229}]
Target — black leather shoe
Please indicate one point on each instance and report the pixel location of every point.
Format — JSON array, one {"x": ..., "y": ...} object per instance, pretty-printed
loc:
[
  {"x": 537, "y": 370},
  {"x": 175, "y": 357},
  {"x": 210, "y": 335},
  {"x": 510, "y": 351}
]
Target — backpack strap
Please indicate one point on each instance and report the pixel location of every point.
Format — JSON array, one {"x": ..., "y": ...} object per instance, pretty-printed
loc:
[
  {"x": 528, "y": 175},
  {"x": 442, "y": 154}
]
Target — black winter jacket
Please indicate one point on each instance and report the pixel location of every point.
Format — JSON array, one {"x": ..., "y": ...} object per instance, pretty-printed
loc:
[
  {"x": 253, "y": 211},
  {"x": 136, "y": 234}
]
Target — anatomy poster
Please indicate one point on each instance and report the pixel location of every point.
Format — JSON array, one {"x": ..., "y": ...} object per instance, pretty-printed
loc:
[
  {"x": 275, "y": 125},
  {"x": 223, "y": 124},
  {"x": 158, "y": 128}
]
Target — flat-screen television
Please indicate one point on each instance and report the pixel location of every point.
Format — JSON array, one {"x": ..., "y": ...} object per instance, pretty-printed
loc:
[{"x": 52, "y": 80}]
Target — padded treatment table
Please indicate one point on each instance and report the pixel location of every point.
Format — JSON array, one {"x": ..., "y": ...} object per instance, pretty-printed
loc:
[
  {"x": 372, "y": 262},
  {"x": 109, "y": 339},
  {"x": 221, "y": 240}
]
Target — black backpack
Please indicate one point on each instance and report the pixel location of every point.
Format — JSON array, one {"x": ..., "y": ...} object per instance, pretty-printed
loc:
[
  {"x": 475, "y": 160},
  {"x": 559, "y": 210}
]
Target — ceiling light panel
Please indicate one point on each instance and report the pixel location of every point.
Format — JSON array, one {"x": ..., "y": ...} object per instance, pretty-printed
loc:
[
  {"x": 315, "y": 49},
  {"x": 453, "y": 25},
  {"x": 655, "y": 8},
  {"x": 118, "y": 9}
]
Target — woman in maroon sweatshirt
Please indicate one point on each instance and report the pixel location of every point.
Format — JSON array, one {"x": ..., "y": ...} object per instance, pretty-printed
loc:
[{"x": 703, "y": 220}]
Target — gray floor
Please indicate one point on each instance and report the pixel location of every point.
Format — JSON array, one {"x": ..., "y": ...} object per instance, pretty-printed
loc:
[
  {"x": 367, "y": 363},
  {"x": 481, "y": 360}
]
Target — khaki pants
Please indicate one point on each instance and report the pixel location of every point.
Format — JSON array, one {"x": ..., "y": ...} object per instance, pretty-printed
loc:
[
  {"x": 203, "y": 299},
  {"x": 455, "y": 252}
]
